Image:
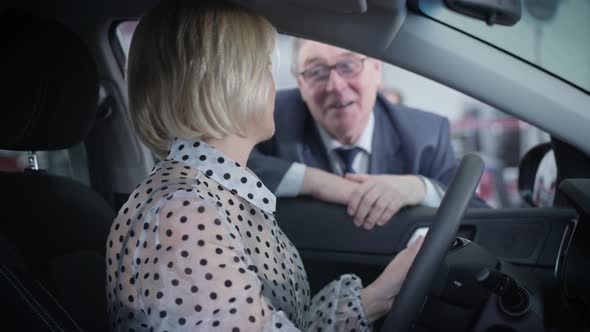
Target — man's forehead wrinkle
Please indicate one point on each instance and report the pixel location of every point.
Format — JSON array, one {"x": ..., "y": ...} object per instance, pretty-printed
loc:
[
  {"x": 313, "y": 60},
  {"x": 316, "y": 59}
]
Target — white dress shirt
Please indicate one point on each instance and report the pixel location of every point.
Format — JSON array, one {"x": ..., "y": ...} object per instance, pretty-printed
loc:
[{"x": 290, "y": 185}]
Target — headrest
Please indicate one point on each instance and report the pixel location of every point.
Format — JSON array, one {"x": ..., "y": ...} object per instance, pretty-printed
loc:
[{"x": 48, "y": 87}]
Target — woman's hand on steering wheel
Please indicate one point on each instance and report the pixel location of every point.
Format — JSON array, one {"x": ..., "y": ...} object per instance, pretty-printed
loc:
[{"x": 377, "y": 298}]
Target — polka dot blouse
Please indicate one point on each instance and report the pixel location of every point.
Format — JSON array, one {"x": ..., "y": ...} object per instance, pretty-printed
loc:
[{"x": 197, "y": 247}]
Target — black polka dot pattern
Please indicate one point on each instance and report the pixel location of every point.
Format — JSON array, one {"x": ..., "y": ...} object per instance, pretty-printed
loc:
[
  {"x": 223, "y": 170},
  {"x": 196, "y": 247}
]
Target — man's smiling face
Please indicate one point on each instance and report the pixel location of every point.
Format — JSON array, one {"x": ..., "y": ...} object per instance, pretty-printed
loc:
[{"x": 341, "y": 99}]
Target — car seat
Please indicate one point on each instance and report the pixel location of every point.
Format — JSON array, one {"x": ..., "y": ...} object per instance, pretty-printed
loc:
[{"x": 54, "y": 229}]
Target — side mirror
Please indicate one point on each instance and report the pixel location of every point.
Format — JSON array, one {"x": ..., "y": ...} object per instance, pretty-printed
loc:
[{"x": 537, "y": 176}]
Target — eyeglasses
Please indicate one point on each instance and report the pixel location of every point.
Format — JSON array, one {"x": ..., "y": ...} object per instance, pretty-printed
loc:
[{"x": 320, "y": 74}]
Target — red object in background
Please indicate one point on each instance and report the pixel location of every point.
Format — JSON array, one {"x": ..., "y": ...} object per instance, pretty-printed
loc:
[{"x": 10, "y": 164}]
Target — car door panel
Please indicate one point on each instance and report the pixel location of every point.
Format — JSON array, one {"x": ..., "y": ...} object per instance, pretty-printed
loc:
[{"x": 330, "y": 244}]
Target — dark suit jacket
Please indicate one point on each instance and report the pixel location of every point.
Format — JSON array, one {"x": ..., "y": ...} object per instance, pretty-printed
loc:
[{"x": 405, "y": 141}]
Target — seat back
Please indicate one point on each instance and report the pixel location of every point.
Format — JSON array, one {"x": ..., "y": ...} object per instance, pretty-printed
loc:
[
  {"x": 32, "y": 306},
  {"x": 56, "y": 226}
]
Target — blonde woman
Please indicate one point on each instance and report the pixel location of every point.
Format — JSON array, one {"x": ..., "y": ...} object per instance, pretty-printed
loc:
[{"x": 196, "y": 246}]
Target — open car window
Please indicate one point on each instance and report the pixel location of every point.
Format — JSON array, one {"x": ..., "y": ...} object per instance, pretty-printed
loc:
[{"x": 500, "y": 139}]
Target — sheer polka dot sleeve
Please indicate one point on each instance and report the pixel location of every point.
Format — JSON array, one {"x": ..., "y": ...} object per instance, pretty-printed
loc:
[
  {"x": 200, "y": 279},
  {"x": 337, "y": 307}
]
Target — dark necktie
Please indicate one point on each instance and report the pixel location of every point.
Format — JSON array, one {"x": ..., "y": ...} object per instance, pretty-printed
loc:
[{"x": 347, "y": 156}]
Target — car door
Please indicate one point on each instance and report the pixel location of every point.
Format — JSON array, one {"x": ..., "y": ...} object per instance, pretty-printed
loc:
[{"x": 331, "y": 245}]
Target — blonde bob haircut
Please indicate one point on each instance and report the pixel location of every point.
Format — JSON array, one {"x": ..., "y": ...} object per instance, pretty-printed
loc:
[{"x": 198, "y": 69}]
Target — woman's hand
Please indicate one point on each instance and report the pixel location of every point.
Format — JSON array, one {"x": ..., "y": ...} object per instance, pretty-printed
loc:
[{"x": 378, "y": 297}]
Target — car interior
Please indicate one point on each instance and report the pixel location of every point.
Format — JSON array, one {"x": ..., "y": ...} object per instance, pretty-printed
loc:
[{"x": 504, "y": 269}]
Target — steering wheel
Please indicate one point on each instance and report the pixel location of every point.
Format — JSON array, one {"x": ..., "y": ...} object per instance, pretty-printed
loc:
[{"x": 413, "y": 293}]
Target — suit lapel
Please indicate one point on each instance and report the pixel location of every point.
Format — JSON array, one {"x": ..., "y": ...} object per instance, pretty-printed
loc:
[
  {"x": 386, "y": 157},
  {"x": 314, "y": 152},
  {"x": 298, "y": 140},
  {"x": 304, "y": 144}
]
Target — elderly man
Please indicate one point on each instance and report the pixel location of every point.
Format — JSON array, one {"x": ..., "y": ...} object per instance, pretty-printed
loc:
[{"x": 336, "y": 129}]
